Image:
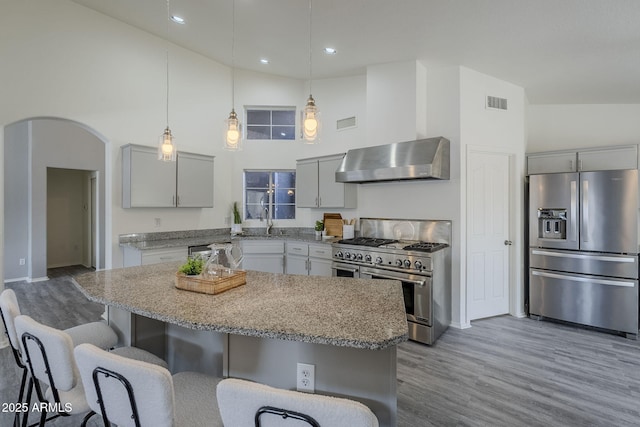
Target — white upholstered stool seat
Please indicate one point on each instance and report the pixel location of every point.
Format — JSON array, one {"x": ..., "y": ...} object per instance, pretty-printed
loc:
[
  {"x": 139, "y": 354},
  {"x": 240, "y": 400},
  {"x": 123, "y": 390}
]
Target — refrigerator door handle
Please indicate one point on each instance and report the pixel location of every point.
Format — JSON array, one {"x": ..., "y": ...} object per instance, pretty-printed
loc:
[
  {"x": 583, "y": 279},
  {"x": 573, "y": 226},
  {"x": 582, "y": 256},
  {"x": 585, "y": 211}
]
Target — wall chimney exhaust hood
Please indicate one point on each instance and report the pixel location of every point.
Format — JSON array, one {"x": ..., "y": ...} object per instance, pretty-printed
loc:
[{"x": 421, "y": 159}]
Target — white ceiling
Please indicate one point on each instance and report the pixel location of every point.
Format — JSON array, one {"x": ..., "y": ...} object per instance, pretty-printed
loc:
[{"x": 560, "y": 51}]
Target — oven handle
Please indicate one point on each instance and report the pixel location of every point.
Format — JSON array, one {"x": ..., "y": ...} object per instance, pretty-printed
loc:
[
  {"x": 350, "y": 270},
  {"x": 413, "y": 282}
]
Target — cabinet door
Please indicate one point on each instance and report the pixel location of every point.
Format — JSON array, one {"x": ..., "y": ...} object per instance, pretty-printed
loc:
[
  {"x": 269, "y": 263},
  {"x": 146, "y": 181},
  {"x": 297, "y": 265},
  {"x": 608, "y": 159},
  {"x": 330, "y": 192},
  {"x": 195, "y": 181},
  {"x": 320, "y": 267},
  {"x": 307, "y": 184},
  {"x": 551, "y": 163}
]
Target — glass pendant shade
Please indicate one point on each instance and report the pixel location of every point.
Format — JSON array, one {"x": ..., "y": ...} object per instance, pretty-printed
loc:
[
  {"x": 310, "y": 122},
  {"x": 167, "y": 147},
  {"x": 233, "y": 132}
]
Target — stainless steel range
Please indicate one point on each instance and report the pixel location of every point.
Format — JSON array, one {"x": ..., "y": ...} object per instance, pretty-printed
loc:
[{"x": 415, "y": 252}]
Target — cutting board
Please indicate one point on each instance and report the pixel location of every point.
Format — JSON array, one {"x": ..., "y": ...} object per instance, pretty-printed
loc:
[{"x": 332, "y": 224}]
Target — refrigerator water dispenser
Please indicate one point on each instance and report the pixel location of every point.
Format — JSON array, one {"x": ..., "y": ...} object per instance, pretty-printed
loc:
[{"x": 552, "y": 223}]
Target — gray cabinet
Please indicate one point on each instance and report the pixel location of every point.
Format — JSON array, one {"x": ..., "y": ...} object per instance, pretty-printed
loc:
[
  {"x": 263, "y": 255},
  {"x": 308, "y": 259},
  {"x": 134, "y": 257},
  {"x": 592, "y": 159},
  {"x": 316, "y": 185},
  {"x": 150, "y": 183}
]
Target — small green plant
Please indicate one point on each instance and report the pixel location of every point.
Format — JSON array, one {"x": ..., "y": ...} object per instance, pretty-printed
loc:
[
  {"x": 193, "y": 266},
  {"x": 237, "y": 219},
  {"x": 319, "y": 226}
]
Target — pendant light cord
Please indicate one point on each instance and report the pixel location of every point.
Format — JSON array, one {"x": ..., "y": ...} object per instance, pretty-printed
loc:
[
  {"x": 167, "y": 57},
  {"x": 233, "y": 55},
  {"x": 310, "y": 68}
]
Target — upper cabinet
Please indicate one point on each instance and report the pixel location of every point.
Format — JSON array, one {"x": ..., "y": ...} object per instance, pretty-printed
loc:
[
  {"x": 604, "y": 158},
  {"x": 316, "y": 185},
  {"x": 150, "y": 183}
]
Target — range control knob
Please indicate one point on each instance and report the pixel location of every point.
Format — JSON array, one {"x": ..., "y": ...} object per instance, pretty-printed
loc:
[
  {"x": 398, "y": 263},
  {"x": 407, "y": 263},
  {"x": 347, "y": 255},
  {"x": 418, "y": 265},
  {"x": 359, "y": 257},
  {"x": 378, "y": 260},
  {"x": 367, "y": 258},
  {"x": 339, "y": 254}
]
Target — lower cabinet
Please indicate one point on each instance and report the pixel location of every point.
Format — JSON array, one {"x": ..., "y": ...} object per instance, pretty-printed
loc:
[
  {"x": 134, "y": 257},
  {"x": 263, "y": 255},
  {"x": 308, "y": 259}
]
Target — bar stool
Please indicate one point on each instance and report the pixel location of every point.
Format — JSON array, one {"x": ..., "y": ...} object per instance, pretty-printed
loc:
[
  {"x": 48, "y": 354},
  {"x": 133, "y": 393},
  {"x": 245, "y": 403}
]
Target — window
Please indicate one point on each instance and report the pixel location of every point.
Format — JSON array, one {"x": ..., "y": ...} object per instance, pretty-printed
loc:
[
  {"x": 271, "y": 123},
  {"x": 273, "y": 190}
]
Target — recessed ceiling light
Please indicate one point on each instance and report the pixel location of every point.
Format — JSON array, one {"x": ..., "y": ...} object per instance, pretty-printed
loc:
[
  {"x": 177, "y": 19},
  {"x": 330, "y": 51},
  {"x": 264, "y": 61}
]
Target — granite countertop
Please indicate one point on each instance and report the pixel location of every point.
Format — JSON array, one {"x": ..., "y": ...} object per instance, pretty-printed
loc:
[
  {"x": 338, "y": 311},
  {"x": 185, "y": 239}
]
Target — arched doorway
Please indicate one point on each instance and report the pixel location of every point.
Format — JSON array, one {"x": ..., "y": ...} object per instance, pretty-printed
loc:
[{"x": 32, "y": 148}]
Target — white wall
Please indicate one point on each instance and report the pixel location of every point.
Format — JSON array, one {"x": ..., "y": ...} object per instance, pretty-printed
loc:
[{"x": 557, "y": 127}]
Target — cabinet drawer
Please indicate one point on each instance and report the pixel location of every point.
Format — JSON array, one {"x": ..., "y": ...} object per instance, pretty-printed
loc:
[
  {"x": 163, "y": 255},
  {"x": 297, "y": 248},
  {"x": 263, "y": 247},
  {"x": 320, "y": 251}
]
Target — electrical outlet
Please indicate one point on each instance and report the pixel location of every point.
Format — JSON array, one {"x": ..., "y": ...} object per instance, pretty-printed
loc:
[
  {"x": 306, "y": 378},
  {"x": 22, "y": 261},
  {"x": 157, "y": 222}
]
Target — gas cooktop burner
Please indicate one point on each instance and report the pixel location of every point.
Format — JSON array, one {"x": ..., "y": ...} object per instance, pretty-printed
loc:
[
  {"x": 425, "y": 247},
  {"x": 367, "y": 241}
]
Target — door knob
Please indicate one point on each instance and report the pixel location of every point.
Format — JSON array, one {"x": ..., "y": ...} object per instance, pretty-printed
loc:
[{"x": 508, "y": 242}]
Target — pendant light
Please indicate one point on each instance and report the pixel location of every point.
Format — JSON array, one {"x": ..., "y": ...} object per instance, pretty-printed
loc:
[
  {"x": 167, "y": 145},
  {"x": 310, "y": 114},
  {"x": 233, "y": 128}
]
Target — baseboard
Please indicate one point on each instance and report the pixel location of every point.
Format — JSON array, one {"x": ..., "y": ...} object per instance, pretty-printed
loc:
[
  {"x": 520, "y": 315},
  {"x": 38, "y": 279},
  {"x": 19, "y": 279},
  {"x": 459, "y": 325}
]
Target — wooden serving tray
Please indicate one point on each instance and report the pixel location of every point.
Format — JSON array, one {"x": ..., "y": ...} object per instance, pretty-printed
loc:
[{"x": 210, "y": 286}]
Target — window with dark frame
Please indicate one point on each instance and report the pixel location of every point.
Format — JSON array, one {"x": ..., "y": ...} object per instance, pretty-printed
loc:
[
  {"x": 268, "y": 123},
  {"x": 269, "y": 191}
]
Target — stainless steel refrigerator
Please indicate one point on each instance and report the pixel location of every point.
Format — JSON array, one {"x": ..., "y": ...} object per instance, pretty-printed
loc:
[{"x": 583, "y": 254}]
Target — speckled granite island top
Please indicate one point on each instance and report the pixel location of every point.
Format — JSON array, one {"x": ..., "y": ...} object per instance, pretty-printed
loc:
[{"x": 337, "y": 311}]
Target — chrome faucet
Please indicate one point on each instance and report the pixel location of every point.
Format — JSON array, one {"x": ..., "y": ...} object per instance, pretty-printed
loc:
[{"x": 267, "y": 216}]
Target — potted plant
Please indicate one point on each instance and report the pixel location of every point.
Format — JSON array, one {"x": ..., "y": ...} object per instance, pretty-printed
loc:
[
  {"x": 236, "y": 227},
  {"x": 319, "y": 227},
  {"x": 193, "y": 266}
]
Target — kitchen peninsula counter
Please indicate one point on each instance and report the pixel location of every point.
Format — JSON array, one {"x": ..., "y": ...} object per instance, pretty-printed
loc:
[
  {"x": 347, "y": 328},
  {"x": 337, "y": 311}
]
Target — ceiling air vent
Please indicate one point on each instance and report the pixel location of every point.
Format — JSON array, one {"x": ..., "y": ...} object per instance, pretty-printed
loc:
[
  {"x": 349, "y": 122},
  {"x": 496, "y": 103}
]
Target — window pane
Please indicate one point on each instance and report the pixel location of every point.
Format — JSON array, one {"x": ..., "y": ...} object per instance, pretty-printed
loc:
[
  {"x": 256, "y": 179},
  {"x": 284, "y": 117},
  {"x": 258, "y": 117},
  {"x": 285, "y": 212},
  {"x": 283, "y": 132},
  {"x": 284, "y": 179},
  {"x": 285, "y": 196},
  {"x": 258, "y": 132}
]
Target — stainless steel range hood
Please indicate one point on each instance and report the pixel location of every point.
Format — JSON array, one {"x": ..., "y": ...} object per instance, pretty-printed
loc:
[{"x": 421, "y": 159}]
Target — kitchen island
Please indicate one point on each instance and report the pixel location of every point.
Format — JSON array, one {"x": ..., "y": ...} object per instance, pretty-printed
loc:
[{"x": 347, "y": 328}]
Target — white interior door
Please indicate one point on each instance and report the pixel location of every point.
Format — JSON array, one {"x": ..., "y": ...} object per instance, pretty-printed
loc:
[{"x": 488, "y": 243}]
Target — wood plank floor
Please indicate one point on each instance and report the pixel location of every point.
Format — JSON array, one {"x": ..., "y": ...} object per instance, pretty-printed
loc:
[{"x": 501, "y": 372}]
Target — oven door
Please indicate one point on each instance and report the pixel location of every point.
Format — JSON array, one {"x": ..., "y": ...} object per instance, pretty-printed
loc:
[
  {"x": 415, "y": 288},
  {"x": 340, "y": 269}
]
